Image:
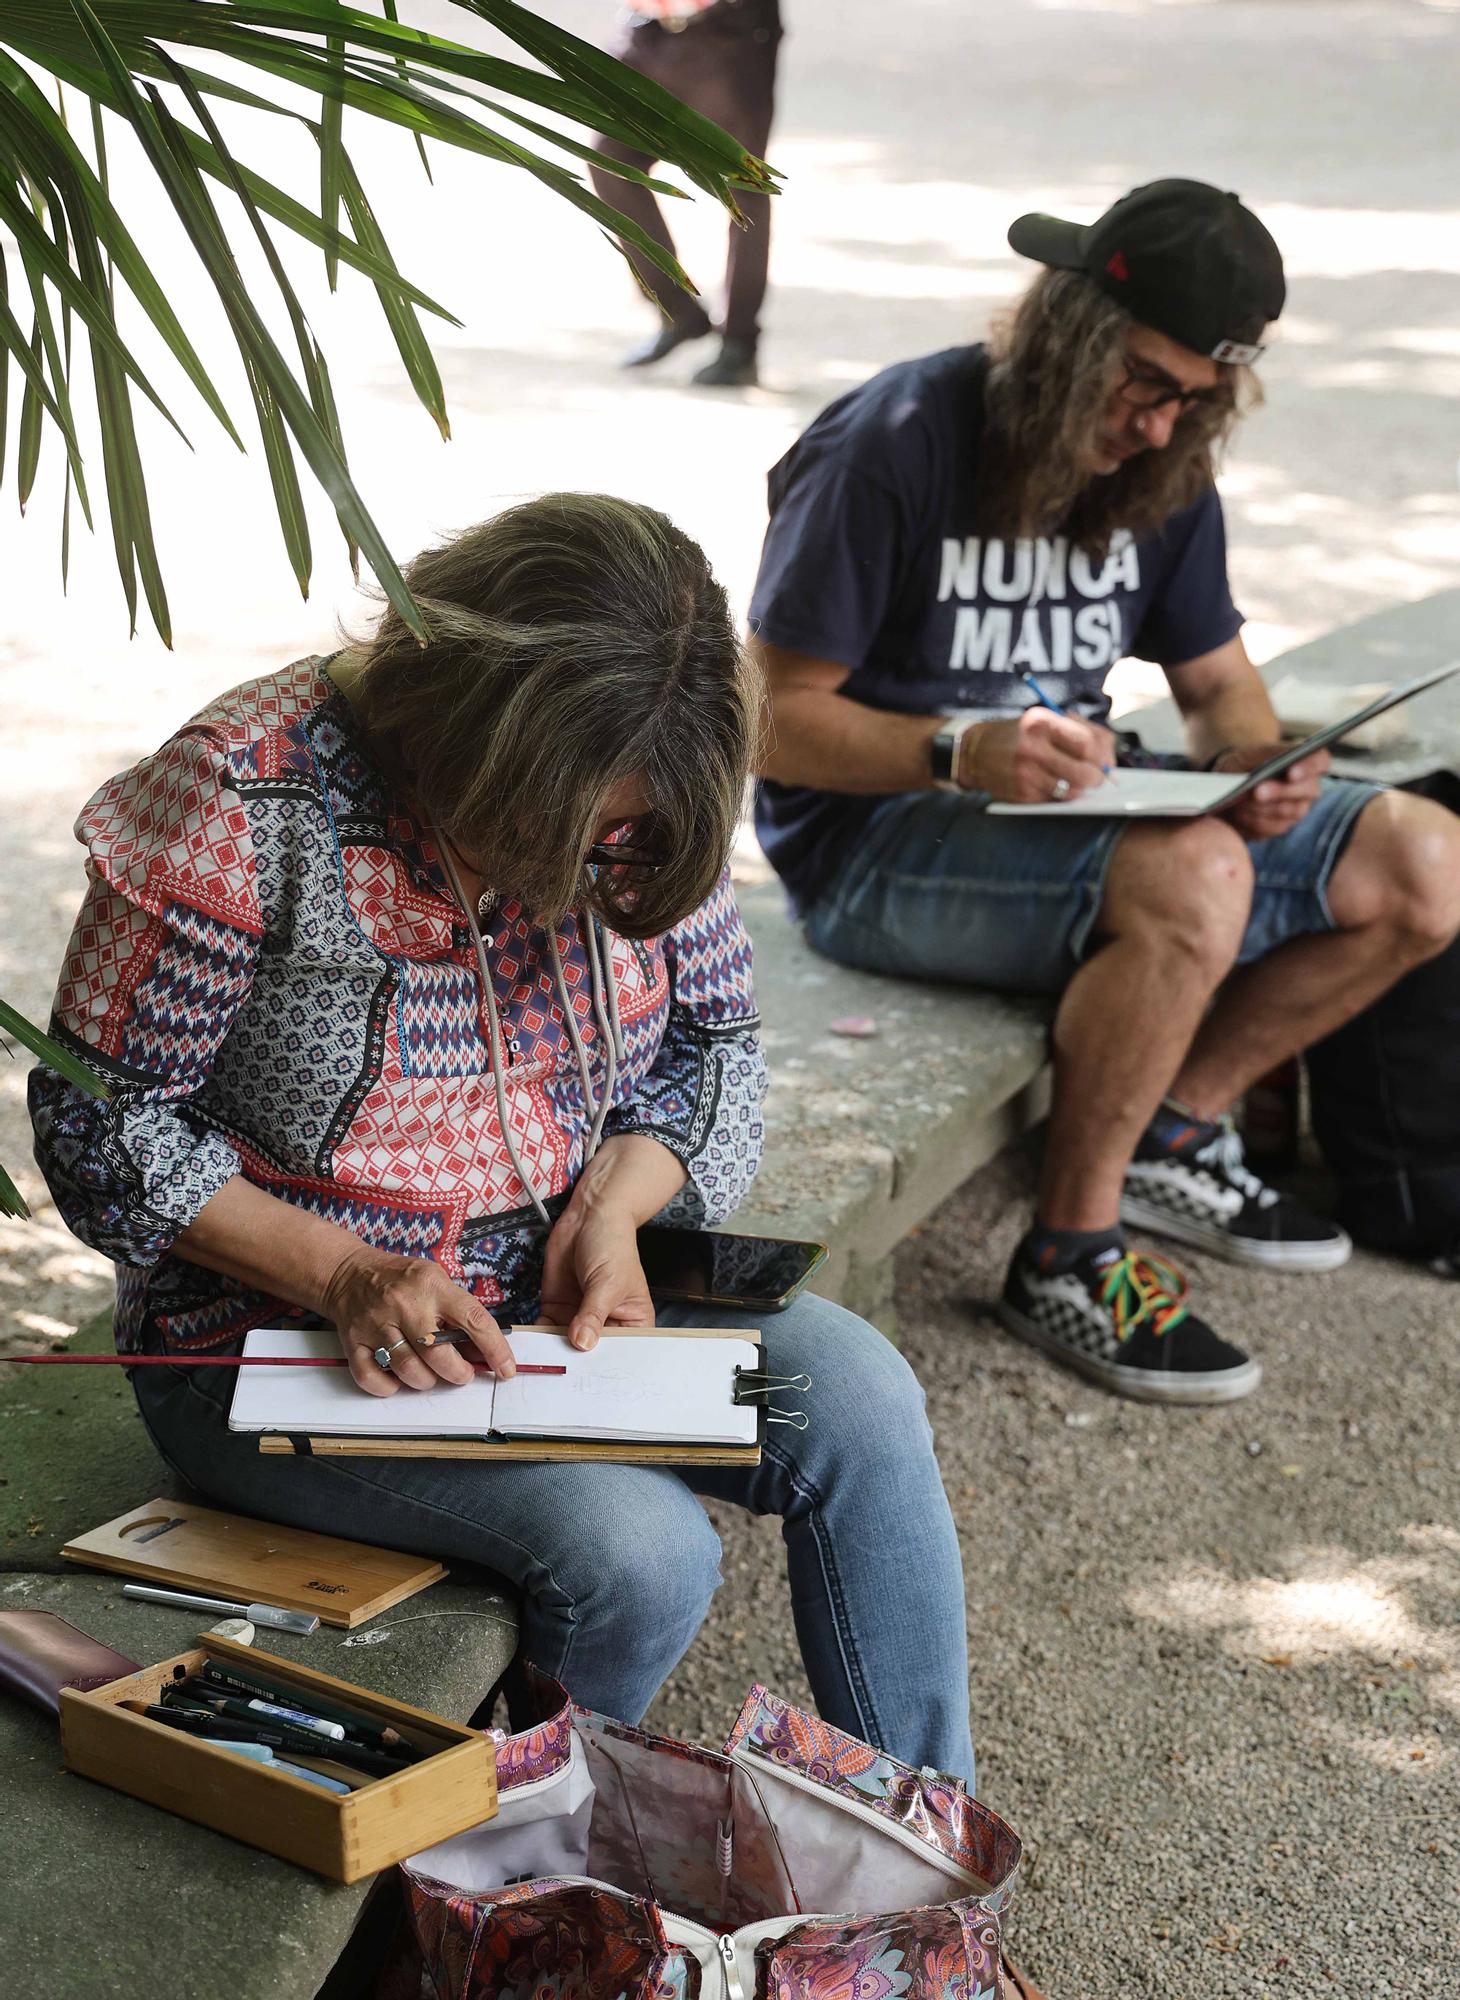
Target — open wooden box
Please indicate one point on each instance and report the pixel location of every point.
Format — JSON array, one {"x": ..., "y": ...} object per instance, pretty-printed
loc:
[{"x": 344, "y": 1836}]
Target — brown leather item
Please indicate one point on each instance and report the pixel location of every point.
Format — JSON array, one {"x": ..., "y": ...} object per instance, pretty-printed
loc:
[
  {"x": 1015, "y": 1985},
  {"x": 40, "y": 1654}
]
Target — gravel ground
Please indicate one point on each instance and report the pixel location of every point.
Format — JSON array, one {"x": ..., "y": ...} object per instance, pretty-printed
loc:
[
  {"x": 1215, "y": 1654},
  {"x": 1215, "y": 1665}
]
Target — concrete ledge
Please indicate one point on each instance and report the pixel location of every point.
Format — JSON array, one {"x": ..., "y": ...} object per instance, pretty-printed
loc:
[
  {"x": 107, "y": 1898},
  {"x": 866, "y": 1137}
]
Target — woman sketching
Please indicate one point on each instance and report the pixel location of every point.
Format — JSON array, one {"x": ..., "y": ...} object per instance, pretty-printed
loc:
[{"x": 419, "y": 985}]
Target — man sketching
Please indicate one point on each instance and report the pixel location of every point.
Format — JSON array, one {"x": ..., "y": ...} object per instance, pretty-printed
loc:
[{"x": 1043, "y": 506}]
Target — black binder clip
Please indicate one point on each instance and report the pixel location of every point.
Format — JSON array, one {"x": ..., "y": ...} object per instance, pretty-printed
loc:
[{"x": 758, "y": 1385}]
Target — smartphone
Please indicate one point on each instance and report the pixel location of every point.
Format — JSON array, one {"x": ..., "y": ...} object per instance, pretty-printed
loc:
[{"x": 759, "y": 1273}]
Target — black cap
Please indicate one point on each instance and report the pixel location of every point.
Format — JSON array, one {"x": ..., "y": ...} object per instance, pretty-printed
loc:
[{"x": 1179, "y": 256}]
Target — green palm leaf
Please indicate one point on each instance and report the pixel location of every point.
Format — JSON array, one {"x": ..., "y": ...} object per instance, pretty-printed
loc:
[
  {"x": 146, "y": 62},
  {"x": 58, "y": 1057}
]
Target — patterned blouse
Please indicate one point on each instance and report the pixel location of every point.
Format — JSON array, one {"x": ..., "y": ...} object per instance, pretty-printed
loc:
[{"x": 272, "y": 975}]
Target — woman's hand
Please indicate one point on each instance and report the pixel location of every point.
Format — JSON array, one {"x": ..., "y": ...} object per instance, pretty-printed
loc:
[
  {"x": 592, "y": 1277},
  {"x": 375, "y": 1299}
]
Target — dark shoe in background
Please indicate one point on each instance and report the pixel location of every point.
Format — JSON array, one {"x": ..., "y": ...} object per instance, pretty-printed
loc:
[
  {"x": 1203, "y": 1192},
  {"x": 732, "y": 368},
  {"x": 671, "y": 335}
]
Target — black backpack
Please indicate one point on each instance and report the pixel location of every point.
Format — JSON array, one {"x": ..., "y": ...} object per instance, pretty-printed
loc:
[{"x": 1385, "y": 1098}]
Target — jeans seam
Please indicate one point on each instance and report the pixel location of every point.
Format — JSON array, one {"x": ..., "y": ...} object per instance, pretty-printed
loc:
[{"x": 841, "y": 1624}]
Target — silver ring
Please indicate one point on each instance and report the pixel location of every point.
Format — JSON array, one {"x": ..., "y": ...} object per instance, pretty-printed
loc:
[
  {"x": 383, "y": 1354},
  {"x": 1061, "y": 789}
]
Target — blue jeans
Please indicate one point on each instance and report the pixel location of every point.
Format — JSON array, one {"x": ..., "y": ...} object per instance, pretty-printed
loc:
[
  {"x": 616, "y": 1564},
  {"x": 936, "y": 888}
]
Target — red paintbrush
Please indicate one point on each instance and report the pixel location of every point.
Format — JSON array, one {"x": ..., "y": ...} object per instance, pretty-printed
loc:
[{"x": 238, "y": 1361}]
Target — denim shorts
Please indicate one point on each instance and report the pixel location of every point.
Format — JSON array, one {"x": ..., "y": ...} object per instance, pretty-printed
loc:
[{"x": 936, "y": 888}]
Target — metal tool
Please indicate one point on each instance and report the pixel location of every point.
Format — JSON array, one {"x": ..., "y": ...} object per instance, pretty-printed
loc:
[{"x": 261, "y": 1614}]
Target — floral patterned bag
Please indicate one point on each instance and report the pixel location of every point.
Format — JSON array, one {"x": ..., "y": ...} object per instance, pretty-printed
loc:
[{"x": 797, "y": 1865}]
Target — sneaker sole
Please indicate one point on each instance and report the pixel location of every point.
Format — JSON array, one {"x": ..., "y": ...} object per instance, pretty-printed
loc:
[
  {"x": 1139, "y": 1385},
  {"x": 1326, "y": 1256}
]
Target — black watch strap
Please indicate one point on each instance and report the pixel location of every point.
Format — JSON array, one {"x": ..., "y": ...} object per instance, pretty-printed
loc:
[{"x": 943, "y": 753}]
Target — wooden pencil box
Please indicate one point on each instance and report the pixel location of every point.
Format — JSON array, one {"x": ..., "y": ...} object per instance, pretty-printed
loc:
[{"x": 345, "y": 1836}]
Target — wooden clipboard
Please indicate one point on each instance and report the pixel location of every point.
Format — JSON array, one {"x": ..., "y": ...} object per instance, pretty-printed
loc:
[{"x": 540, "y": 1451}]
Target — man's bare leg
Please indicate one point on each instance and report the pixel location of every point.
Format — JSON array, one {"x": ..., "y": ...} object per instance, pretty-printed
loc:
[
  {"x": 1176, "y": 903},
  {"x": 1395, "y": 896}
]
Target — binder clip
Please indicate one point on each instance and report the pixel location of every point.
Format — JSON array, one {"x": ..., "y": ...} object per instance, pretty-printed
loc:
[{"x": 758, "y": 1385}]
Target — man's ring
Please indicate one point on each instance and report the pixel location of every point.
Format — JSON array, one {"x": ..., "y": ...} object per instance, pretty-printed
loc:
[
  {"x": 1061, "y": 789},
  {"x": 383, "y": 1354}
]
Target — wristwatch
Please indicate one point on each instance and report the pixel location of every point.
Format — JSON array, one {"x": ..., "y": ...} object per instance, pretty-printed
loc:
[{"x": 943, "y": 752}]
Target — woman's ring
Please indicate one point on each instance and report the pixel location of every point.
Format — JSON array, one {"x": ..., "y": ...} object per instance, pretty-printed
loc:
[
  {"x": 1061, "y": 789},
  {"x": 383, "y": 1354}
]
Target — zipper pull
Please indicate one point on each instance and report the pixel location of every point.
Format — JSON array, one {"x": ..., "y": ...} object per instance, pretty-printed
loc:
[{"x": 730, "y": 1968}]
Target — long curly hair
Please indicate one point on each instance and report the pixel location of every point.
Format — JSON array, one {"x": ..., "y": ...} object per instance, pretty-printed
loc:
[{"x": 1057, "y": 356}]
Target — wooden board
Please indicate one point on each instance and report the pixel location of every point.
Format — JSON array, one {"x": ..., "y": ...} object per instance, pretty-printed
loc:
[
  {"x": 545, "y": 1451},
  {"x": 347, "y": 1837},
  {"x": 542, "y": 1451},
  {"x": 253, "y": 1562}
]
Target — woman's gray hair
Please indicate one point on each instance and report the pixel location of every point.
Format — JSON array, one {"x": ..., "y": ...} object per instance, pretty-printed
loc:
[{"x": 577, "y": 642}]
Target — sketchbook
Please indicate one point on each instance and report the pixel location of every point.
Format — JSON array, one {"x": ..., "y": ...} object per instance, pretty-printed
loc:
[
  {"x": 679, "y": 1390},
  {"x": 1187, "y": 794}
]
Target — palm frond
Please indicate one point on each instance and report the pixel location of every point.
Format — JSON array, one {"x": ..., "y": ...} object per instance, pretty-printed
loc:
[
  {"x": 146, "y": 63},
  {"x": 58, "y": 1057}
]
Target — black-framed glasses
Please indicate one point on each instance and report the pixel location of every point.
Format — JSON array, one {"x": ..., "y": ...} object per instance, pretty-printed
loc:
[
  {"x": 1146, "y": 388},
  {"x": 625, "y": 853}
]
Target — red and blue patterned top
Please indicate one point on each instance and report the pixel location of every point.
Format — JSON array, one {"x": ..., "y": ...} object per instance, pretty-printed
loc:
[{"x": 272, "y": 975}]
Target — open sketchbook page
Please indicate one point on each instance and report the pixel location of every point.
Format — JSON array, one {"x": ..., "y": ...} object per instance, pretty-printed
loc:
[
  {"x": 1129, "y": 793},
  {"x": 631, "y": 1385},
  {"x": 325, "y": 1402},
  {"x": 1186, "y": 794},
  {"x": 650, "y": 1386}
]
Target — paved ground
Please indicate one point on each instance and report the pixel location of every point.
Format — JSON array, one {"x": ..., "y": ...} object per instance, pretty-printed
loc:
[{"x": 1217, "y": 1689}]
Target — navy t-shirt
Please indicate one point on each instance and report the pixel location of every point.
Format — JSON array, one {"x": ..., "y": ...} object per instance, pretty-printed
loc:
[{"x": 871, "y": 559}]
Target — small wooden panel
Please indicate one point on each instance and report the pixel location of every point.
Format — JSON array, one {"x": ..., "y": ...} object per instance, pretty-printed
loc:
[
  {"x": 548, "y": 1451},
  {"x": 345, "y": 1837},
  {"x": 183, "y": 1547}
]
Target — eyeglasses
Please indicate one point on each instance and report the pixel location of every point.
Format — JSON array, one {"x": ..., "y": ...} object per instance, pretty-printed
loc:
[
  {"x": 1147, "y": 388},
  {"x": 615, "y": 853}
]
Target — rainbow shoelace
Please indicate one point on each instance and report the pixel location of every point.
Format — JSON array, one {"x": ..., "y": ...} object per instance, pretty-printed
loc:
[{"x": 1144, "y": 1291}]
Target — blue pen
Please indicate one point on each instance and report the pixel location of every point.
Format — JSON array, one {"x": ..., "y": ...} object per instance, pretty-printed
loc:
[
  {"x": 1044, "y": 702},
  {"x": 1040, "y": 696},
  {"x": 260, "y": 1753}
]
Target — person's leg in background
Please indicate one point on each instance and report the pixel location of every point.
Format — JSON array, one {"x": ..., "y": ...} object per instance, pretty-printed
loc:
[
  {"x": 726, "y": 73},
  {"x": 739, "y": 93},
  {"x": 652, "y": 50},
  {"x": 1134, "y": 929}
]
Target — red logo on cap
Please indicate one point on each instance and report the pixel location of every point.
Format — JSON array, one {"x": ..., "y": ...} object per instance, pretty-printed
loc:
[{"x": 1116, "y": 266}]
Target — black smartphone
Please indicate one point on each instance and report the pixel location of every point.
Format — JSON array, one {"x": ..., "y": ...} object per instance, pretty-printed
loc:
[{"x": 759, "y": 1273}]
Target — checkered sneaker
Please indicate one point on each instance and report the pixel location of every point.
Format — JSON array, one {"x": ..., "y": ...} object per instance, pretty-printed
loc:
[
  {"x": 1201, "y": 1191},
  {"x": 1123, "y": 1320}
]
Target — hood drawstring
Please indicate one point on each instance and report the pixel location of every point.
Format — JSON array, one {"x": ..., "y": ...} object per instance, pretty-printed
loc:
[{"x": 606, "y": 1014}]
